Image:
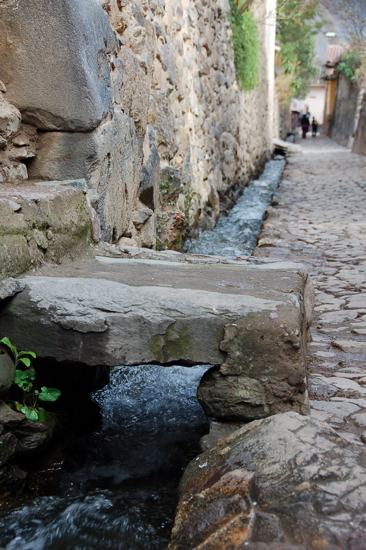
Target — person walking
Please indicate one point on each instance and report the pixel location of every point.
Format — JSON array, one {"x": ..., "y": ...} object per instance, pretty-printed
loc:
[
  {"x": 314, "y": 125},
  {"x": 304, "y": 125}
]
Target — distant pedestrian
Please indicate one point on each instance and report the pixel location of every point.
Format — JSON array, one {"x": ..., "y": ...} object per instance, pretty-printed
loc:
[
  {"x": 304, "y": 125},
  {"x": 314, "y": 125}
]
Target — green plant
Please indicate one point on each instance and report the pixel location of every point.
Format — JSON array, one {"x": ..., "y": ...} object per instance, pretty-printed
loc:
[
  {"x": 350, "y": 62},
  {"x": 246, "y": 46},
  {"x": 26, "y": 380}
]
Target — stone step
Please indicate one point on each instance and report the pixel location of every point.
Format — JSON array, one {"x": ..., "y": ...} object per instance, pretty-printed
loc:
[
  {"x": 250, "y": 322},
  {"x": 42, "y": 222}
]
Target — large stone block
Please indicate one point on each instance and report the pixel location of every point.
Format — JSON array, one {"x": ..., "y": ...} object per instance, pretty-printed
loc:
[
  {"x": 39, "y": 224},
  {"x": 136, "y": 311},
  {"x": 110, "y": 159},
  {"x": 54, "y": 62},
  {"x": 283, "y": 483}
]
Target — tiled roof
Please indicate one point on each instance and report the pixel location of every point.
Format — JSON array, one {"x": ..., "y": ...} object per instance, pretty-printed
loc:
[{"x": 334, "y": 53}]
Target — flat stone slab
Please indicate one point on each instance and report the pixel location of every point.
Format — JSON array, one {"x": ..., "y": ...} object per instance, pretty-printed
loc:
[
  {"x": 252, "y": 320},
  {"x": 332, "y": 411}
]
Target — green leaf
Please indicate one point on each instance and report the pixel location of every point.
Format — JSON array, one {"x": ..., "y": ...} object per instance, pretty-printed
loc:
[
  {"x": 42, "y": 415},
  {"x": 30, "y": 414},
  {"x": 25, "y": 361},
  {"x": 49, "y": 394},
  {"x": 31, "y": 353},
  {"x": 23, "y": 379},
  {"x": 18, "y": 406},
  {"x": 7, "y": 342},
  {"x": 21, "y": 375}
]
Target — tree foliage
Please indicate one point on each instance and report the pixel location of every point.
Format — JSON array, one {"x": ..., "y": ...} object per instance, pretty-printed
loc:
[
  {"x": 353, "y": 62},
  {"x": 297, "y": 28},
  {"x": 350, "y": 64}
]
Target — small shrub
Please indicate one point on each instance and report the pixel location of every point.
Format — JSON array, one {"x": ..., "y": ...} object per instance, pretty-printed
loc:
[
  {"x": 26, "y": 380},
  {"x": 350, "y": 62}
]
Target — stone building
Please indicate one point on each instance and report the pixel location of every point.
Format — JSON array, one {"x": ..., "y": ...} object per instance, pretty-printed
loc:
[
  {"x": 345, "y": 107},
  {"x": 139, "y": 98}
]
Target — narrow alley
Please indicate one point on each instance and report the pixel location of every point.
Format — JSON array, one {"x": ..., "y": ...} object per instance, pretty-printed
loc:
[{"x": 317, "y": 217}]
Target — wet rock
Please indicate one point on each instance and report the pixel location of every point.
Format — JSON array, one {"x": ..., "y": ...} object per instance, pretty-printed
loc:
[
  {"x": 232, "y": 397},
  {"x": 9, "y": 445},
  {"x": 77, "y": 38},
  {"x": 218, "y": 432},
  {"x": 7, "y": 369},
  {"x": 245, "y": 491},
  {"x": 11, "y": 477},
  {"x": 9, "y": 418},
  {"x": 32, "y": 437},
  {"x": 36, "y": 436}
]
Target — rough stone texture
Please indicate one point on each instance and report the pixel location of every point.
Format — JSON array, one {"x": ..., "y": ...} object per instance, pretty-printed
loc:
[
  {"x": 28, "y": 438},
  {"x": 359, "y": 144},
  {"x": 331, "y": 242},
  {"x": 286, "y": 482},
  {"x": 9, "y": 446},
  {"x": 7, "y": 370},
  {"x": 46, "y": 224},
  {"x": 160, "y": 92},
  {"x": 140, "y": 311},
  {"x": 109, "y": 159},
  {"x": 10, "y": 287},
  {"x": 17, "y": 143},
  {"x": 56, "y": 68},
  {"x": 218, "y": 432},
  {"x": 149, "y": 185},
  {"x": 344, "y": 112},
  {"x": 232, "y": 397},
  {"x": 10, "y": 118}
]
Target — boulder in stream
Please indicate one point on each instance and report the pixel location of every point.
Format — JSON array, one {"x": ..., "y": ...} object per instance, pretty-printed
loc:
[{"x": 282, "y": 483}]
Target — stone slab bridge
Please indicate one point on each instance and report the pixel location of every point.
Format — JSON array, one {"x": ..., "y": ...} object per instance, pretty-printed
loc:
[{"x": 249, "y": 322}]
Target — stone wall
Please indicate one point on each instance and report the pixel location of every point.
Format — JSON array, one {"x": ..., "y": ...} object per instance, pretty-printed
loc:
[
  {"x": 137, "y": 97},
  {"x": 342, "y": 125},
  {"x": 359, "y": 144}
]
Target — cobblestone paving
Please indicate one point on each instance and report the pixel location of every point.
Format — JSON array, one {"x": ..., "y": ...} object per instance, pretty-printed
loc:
[{"x": 318, "y": 217}]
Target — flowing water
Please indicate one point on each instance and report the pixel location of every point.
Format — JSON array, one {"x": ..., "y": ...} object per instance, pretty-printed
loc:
[
  {"x": 118, "y": 491},
  {"x": 119, "y": 484},
  {"x": 237, "y": 234}
]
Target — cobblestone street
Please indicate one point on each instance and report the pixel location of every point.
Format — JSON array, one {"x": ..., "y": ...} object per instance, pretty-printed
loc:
[{"x": 317, "y": 217}]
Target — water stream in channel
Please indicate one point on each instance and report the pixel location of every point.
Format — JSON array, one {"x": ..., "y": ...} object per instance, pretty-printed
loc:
[{"x": 118, "y": 488}]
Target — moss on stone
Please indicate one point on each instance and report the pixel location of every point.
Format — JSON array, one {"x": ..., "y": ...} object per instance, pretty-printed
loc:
[{"x": 174, "y": 344}]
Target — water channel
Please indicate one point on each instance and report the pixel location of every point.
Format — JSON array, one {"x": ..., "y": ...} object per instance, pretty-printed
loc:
[{"x": 118, "y": 486}]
